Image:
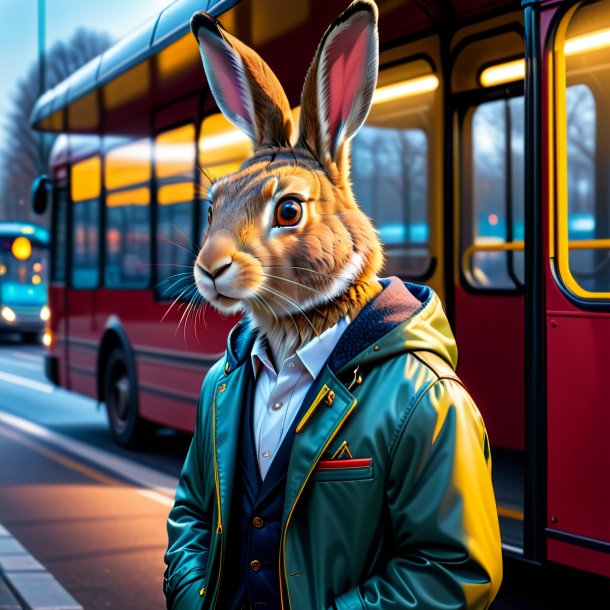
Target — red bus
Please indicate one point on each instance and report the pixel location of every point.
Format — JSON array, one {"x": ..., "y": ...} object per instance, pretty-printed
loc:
[{"x": 484, "y": 164}]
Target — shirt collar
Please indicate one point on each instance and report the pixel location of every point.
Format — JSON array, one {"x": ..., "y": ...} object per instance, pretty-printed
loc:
[{"x": 313, "y": 354}]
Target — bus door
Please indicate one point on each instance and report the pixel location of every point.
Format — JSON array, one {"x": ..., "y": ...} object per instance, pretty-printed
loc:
[
  {"x": 58, "y": 322},
  {"x": 488, "y": 287},
  {"x": 578, "y": 295},
  {"x": 84, "y": 267}
]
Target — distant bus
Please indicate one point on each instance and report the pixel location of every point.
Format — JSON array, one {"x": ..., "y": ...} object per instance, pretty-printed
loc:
[{"x": 23, "y": 279}]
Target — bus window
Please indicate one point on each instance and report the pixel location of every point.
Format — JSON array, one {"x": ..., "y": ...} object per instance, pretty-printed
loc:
[
  {"x": 175, "y": 156},
  {"x": 391, "y": 168},
  {"x": 583, "y": 165},
  {"x": 85, "y": 187},
  {"x": 492, "y": 255},
  {"x": 222, "y": 150},
  {"x": 127, "y": 179}
]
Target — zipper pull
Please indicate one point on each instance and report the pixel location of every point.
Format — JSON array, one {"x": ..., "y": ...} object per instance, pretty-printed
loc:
[{"x": 357, "y": 380}]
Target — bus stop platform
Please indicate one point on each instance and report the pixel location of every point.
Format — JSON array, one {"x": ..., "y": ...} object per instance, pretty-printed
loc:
[{"x": 25, "y": 584}]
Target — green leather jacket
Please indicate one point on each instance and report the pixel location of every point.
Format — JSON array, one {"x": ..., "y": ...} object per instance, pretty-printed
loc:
[{"x": 418, "y": 528}]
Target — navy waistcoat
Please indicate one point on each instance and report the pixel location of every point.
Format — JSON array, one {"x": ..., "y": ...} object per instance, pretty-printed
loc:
[{"x": 251, "y": 574}]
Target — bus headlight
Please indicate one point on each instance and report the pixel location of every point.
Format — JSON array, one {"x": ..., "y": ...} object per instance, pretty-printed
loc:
[
  {"x": 45, "y": 313},
  {"x": 8, "y": 314},
  {"x": 47, "y": 338}
]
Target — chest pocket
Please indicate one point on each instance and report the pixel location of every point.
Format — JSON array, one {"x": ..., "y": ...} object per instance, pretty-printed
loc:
[{"x": 343, "y": 470}]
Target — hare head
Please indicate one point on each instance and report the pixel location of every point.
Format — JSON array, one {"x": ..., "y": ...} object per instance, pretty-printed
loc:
[{"x": 286, "y": 241}]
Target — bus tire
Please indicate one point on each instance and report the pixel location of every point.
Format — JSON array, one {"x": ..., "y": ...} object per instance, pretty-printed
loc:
[
  {"x": 127, "y": 428},
  {"x": 30, "y": 337}
]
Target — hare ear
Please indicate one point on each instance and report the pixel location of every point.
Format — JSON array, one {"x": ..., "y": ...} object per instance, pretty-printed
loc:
[
  {"x": 246, "y": 90},
  {"x": 340, "y": 83}
]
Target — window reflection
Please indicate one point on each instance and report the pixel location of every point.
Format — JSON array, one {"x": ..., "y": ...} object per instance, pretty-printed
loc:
[
  {"x": 222, "y": 150},
  {"x": 391, "y": 168},
  {"x": 85, "y": 189},
  {"x": 583, "y": 221},
  {"x": 494, "y": 236},
  {"x": 175, "y": 156},
  {"x": 127, "y": 176}
]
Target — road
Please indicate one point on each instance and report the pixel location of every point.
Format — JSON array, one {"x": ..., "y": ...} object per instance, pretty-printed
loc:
[
  {"x": 93, "y": 515},
  {"x": 100, "y": 534}
]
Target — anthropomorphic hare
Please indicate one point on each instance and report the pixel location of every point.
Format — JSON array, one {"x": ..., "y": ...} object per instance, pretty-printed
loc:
[{"x": 337, "y": 460}]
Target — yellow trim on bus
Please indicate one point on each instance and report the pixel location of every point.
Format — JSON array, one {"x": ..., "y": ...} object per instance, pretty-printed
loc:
[
  {"x": 518, "y": 246},
  {"x": 561, "y": 210}
]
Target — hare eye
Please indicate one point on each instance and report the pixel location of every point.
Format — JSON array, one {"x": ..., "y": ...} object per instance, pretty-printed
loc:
[
  {"x": 210, "y": 214},
  {"x": 288, "y": 213}
]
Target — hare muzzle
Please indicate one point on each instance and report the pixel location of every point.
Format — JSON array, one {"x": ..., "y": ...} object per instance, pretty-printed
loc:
[{"x": 224, "y": 275}]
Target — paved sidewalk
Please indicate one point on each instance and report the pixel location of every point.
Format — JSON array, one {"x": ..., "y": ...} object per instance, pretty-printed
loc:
[
  {"x": 24, "y": 581},
  {"x": 8, "y": 601}
]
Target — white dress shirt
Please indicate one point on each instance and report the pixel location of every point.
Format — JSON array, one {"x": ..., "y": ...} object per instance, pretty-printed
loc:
[{"x": 278, "y": 397}]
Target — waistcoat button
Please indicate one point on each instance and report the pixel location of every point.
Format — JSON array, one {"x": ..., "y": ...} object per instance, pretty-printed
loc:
[
  {"x": 257, "y": 522},
  {"x": 255, "y": 565}
]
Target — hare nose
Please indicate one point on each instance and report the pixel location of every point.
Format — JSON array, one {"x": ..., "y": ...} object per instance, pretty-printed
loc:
[{"x": 217, "y": 268}]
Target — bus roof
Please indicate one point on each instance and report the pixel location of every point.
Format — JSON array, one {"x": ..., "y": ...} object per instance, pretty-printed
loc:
[
  {"x": 27, "y": 229},
  {"x": 157, "y": 33},
  {"x": 78, "y": 93}
]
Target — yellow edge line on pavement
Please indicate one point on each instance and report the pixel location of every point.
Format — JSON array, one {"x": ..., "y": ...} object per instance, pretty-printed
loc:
[
  {"x": 64, "y": 461},
  {"x": 510, "y": 513}
]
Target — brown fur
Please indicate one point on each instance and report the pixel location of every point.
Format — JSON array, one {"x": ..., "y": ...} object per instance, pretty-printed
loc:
[{"x": 296, "y": 282}]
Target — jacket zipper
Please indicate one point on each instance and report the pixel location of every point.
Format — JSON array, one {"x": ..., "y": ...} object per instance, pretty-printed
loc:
[
  {"x": 314, "y": 405},
  {"x": 282, "y": 563},
  {"x": 217, "y": 482}
]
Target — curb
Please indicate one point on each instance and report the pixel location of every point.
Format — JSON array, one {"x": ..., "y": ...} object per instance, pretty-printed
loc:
[{"x": 29, "y": 585}]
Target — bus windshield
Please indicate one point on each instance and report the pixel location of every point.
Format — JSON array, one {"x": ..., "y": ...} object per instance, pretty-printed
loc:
[{"x": 23, "y": 265}]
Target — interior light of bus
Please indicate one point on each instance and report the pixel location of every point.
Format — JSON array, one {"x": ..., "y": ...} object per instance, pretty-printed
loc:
[
  {"x": 407, "y": 88},
  {"x": 503, "y": 73},
  {"x": 2, "y": 269},
  {"x": 8, "y": 314},
  {"x": 515, "y": 70},
  {"x": 21, "y": 248},
  {"x": 588, "y": 42},
  {"x": 36, "y": 279},
  {"x": 28, "y": 230},
  {"x": 47, "y": 338},
  {"x": 45, "y": 313},
  {"x": 37, "y": 267}
]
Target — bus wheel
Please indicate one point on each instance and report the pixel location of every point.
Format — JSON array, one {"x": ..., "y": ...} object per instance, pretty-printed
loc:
[
  {"x": 128, "y": 429},
  {"x": 30, "y": 337}
]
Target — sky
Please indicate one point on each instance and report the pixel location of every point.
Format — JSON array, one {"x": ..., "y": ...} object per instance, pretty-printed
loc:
[{"x": 19, "y": 37}]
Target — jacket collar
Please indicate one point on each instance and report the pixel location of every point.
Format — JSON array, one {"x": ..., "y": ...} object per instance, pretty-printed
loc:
[{"x": 396, "y": 303}]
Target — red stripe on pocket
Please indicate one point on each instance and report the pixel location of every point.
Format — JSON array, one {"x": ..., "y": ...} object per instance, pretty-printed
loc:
[{"x": 350, "y": 463}]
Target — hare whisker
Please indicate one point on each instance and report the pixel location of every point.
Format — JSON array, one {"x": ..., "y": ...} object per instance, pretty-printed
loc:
[
  {"x": 195, "y": 254},
  {"x": 184, "y": 313},
  {"x": 260, "y": 299},
  {"x": 278, "y": 277},
  {"x": 177, "y": 281},
  {"x": 175, "y": 301},
  {"x": 296, "y": 326},
  {"x": 283, "y": 296},
  {"x": 185, "y": 236},
  {"x": 333, "y": 275},
  {"x": 169, "y": 265}
]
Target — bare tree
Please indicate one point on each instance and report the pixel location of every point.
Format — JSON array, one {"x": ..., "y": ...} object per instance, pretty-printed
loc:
[{"x": 20, "y": 160}]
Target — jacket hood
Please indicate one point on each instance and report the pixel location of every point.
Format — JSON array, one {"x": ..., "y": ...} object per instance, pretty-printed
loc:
[{"x": 403, "y": 317}]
